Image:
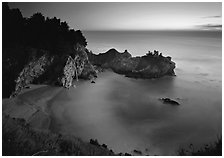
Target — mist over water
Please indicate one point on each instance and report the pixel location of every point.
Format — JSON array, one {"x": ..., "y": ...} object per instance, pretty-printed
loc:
[
  {"x": 125, "y": 113},
  {"x": 197, "y": 54}
]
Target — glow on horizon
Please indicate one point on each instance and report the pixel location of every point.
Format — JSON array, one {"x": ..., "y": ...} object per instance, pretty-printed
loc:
[{"x": 130, "y": 15}]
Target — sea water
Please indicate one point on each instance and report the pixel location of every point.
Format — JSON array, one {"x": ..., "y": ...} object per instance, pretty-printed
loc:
[{"x": 126, "y": 113}]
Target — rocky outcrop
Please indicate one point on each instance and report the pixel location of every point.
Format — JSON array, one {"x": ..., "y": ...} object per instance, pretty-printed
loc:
[
  {"x": 77, "y": 66},
  {"x": 69, "y": 72},
  {"x": 32, "y": 70},
  {"x": 151, "y": 65},
  {"x": 60, "y": 70},
  {"x": 169, "y": 101},
  {"x": 63, "y": 69}
]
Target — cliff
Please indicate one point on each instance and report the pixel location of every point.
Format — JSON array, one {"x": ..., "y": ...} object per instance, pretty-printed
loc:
[
  {"x": 54, "y": 69},
  {"x": 37, "y": 50},
  {"x": 55, "y": 55},
  {"x": 62, "y": 70},
  {"x": 151, "y": 65}
]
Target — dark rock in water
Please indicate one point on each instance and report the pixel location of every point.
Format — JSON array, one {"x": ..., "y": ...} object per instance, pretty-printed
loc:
[
  {"x": 148, "y": 66},
  {"x": 127, "y": 154},
  {"x": 137, "y": 152},
  {"x": 169, "y": 101},
  {"x": 93, "y": 82},
  {"x": 120, "y": 154}
]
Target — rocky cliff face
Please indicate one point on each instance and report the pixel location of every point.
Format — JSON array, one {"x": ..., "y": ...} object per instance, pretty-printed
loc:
[
  {"x": 32, "y": 70},
  {"x": 153, "y": 67},
  {"x": 69, "y": 72},
  {"x": 77, "y": 66},
  {"x": 63, "y": 70},
  {"x": 60, "y": 70},
  {"x": 148, "y": 66}
]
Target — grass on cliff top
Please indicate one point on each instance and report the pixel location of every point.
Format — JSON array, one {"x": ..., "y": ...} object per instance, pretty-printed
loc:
[
  {"x": 18, "y": 138},
  {"x": 212, "y": 149}
]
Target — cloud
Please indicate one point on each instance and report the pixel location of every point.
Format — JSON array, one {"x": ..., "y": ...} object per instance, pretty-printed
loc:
[
  {"x": 214, "y": 16},
  {"x": 210, "y": 27}
]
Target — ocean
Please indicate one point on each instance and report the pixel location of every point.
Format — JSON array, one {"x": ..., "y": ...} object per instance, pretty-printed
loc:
[
  {"x": 190, "y": 50},
  {"x": 126, "y": 114}
]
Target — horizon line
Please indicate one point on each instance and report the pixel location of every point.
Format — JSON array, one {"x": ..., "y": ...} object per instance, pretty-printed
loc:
[{"x": 156, "y": 30}]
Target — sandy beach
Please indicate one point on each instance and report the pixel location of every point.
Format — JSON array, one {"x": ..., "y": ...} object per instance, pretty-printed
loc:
[{"x": 32, "y": 105}]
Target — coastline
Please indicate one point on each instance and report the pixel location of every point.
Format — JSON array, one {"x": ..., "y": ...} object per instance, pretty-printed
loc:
[
  {"x": 26, "y": 127},
  {"x": 32, "y": 105},
  {"x": 40, "y": 103},
  {"x": 72, "y": 90},
  {"x": 92, "y": 110}
]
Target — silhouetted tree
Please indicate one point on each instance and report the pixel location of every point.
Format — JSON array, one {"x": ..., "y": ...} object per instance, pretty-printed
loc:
[
  {"x": 21, "y": 35},
  {"x": 38, "y": 31}
]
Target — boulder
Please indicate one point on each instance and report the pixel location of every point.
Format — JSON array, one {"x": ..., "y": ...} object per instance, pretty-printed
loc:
[
  {"x": 93, "y": 82},
  {"x": 169, "y": 101},
  {"x": 137, "y": 152},
  {"x": 127, "y": 154}
]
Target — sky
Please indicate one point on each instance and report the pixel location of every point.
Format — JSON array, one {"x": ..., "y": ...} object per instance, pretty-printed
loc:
[{"x": 130, "y": 15}]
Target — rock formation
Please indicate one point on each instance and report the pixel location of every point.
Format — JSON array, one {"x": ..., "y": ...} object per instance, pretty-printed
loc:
[
  {"x": 60, "y": 70},
  {"x": 33, "y": 69},
  {"x": 77, "y": 66},
  {"x": 169, "y": 101},
  {"x": 148, "y": 66}
]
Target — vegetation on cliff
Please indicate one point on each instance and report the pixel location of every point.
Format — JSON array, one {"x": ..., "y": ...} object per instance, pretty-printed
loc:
[
  {"x": 212, "y": 149},
  {"x": 34, "y": 38},
  {"x": 18, "y": 139},
  {"x": 50, "y": 34},
  {"x": 151, "y": 65},
  {"x": 57, "y": 70}
]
